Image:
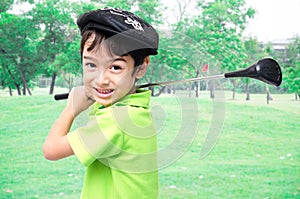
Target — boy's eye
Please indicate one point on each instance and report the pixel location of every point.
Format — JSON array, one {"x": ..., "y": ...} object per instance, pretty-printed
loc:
[
  {"x": 115, "y": 68},
  {"x": 90, "y": 65}
]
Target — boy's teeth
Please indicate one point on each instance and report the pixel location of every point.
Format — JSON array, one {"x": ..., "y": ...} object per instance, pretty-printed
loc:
[{"x": 104, "y": 91}]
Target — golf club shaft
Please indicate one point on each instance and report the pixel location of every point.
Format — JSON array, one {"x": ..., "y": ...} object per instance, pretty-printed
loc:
[{"x": 182, "y": 81}]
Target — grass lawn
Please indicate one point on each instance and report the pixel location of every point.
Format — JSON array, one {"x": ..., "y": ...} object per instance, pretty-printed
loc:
[{"x": 256, "y": 154}]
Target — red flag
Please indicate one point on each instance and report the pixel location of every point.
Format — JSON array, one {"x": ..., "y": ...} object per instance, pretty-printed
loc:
[{"x": 205, "y": 68}]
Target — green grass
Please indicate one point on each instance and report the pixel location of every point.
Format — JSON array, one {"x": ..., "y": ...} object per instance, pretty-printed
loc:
[{"x": 257, "y": 154}]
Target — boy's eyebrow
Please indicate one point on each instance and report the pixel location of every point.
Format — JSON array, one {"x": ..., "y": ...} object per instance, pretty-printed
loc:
[
  {"x": 120, "y": 59},
  {"x": 111, "y": 60},
  {"x": 90, "y": 58}
]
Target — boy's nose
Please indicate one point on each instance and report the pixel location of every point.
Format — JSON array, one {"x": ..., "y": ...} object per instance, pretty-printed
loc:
[{"x": 102, "y": 78}]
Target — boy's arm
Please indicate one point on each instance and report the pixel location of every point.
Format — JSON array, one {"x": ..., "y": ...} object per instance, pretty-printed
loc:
[{"x": 56, "y": 145}]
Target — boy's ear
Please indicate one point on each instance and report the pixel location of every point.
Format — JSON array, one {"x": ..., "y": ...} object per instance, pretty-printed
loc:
[{"x": 142, "y": 69}]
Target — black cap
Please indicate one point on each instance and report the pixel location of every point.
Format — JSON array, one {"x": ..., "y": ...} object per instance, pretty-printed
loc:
[{"x": 122, "y": 26}]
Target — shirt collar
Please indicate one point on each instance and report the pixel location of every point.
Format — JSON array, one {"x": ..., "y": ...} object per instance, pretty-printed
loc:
[{"x": 139, "y": 99}]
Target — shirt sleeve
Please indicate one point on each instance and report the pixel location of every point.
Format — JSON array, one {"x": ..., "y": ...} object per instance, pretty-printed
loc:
[{"x": 100, "y": 138}]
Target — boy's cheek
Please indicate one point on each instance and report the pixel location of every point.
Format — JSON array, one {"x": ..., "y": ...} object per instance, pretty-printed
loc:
[
  {"x": 88, "y": 76},
  {"x": 125, "y": 79},
  {"x": 88, "y": 88},
  {"x": 89, "y": 93}
]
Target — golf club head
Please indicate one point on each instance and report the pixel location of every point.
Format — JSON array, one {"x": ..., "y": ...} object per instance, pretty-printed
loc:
[{"x": 266, "y": 70}]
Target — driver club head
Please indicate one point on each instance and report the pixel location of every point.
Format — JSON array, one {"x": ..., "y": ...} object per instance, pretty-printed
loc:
[
  {"x": 269, "y": 71},
  {"x": 266, "y": 70}
]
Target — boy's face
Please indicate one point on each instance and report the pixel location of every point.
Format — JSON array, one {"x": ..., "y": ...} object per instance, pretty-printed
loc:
[{"x": 108, "y": 78}]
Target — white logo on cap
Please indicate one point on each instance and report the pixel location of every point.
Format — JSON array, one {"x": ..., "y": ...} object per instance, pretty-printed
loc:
[
  {"x": 129, "y": 20},
  {"x": 134, "y": 23}
]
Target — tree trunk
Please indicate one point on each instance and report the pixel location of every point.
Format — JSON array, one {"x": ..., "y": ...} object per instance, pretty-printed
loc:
[
  {"x": 24, "y": 90},
  {"x": 190, "y": 90},
  {"x": 25, "y": 84},
  {"x": 197, "y": 84},
  {"x": 70, "y": 82},
  {"x": 247, "y": 92},
  {"x": 233, "y": 89},
  {"x": 18, "y": 88},
  {"x": 212, "y": 89},
  {"x": 13, "y": 79},
  {"x": 197, "y": 89},
  {"x": 296, "y": 96},
  {"x": 69, "y": 79},
  {"x": 10, "y": 91},
  {"x": 268, "y": 95},
  {"x": 52, "y": 83},
  {"x": 28, "y": 90}
]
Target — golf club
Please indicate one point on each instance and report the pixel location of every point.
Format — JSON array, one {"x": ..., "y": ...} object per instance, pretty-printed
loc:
[{"x": 266, "y": 70}]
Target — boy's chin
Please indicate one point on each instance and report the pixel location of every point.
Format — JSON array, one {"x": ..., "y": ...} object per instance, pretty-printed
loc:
[{"x": 103, "y": 102}]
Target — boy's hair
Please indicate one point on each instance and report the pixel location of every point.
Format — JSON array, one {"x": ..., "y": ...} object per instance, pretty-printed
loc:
[
  {"x": 111, "y": 46},
  {"x": 122, "y": 32}
]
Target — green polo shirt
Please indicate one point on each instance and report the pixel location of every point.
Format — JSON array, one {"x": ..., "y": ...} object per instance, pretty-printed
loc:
[{"x": 119, "y": 148}]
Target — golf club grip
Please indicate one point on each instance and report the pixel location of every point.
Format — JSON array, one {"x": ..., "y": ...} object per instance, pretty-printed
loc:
[{"x": 61, "y": 96}]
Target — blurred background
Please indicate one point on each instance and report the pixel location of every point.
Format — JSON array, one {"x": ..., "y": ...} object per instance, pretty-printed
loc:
[{"x": 40, "y": 42}]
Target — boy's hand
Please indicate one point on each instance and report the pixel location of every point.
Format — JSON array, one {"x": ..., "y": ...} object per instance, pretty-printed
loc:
[{"x": 78, "y": 100}]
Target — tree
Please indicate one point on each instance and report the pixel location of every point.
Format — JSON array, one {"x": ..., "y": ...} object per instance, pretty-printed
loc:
[
  {"x": 68, "y": 62},
  {"x": 219, "y": 27},
  {"x": 54, "y": 18},
  {"x": 193, "y": 54},
  {"x": 180, "y": 55},
  {"x": 18, "y": 52},
  {"x": 292, "y": 69},
  {"x": 254, "y": 53},
  {"x": 5, "y": 5}
]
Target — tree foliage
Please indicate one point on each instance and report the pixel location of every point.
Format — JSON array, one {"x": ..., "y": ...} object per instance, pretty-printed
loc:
[
  {"x": 292, "y": 69},
  {"x": 254, "y": 52},
  {"x": 5, "y": 5},
  {"x": 45, "y": 42},
  {"x": 18, "y": 53},
  {"x": 53, "y": 17}
]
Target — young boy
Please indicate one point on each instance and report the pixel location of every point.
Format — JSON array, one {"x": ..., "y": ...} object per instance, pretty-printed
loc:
[{"x": 118, "y": 145}]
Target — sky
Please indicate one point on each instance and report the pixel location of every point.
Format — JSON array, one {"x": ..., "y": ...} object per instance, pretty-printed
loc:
[{"x": 275, "y": 19}]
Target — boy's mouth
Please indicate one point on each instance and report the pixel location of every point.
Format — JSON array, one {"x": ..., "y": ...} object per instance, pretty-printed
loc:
[{"x": 104, "y": 93}]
